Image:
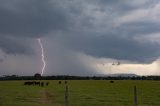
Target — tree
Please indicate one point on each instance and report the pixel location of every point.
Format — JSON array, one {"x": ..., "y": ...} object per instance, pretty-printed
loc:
[{"x": 37, "y": 76}]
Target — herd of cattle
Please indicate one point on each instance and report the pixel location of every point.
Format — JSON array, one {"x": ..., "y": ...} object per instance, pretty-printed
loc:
[
  {"x": 40, "y": 83},
  {"x": 36, "y": 83}
]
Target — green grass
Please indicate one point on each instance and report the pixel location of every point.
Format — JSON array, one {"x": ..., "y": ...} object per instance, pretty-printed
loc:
[{"x": 81, "y": 93}]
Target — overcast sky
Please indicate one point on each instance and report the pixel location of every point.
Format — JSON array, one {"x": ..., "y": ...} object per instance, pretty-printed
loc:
[{"x": 80, "y": 37}]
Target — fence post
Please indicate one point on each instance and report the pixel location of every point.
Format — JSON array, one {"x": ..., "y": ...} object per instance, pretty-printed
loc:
[
  {"x": 66, "y": 96},
  {"x": 135, "y": 96}
]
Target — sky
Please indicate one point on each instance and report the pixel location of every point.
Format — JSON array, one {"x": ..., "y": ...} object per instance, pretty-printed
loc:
[{"x": 80, "y": 37}]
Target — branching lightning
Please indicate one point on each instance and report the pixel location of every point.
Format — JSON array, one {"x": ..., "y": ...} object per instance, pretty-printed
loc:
[{"x": 42, "y": 56}]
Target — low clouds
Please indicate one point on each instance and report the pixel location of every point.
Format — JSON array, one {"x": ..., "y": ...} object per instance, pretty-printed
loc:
[
  {"x": 121, "y": 30},
  {"x": 113, "y": 47},
  {"x": 139, "y": 69}
]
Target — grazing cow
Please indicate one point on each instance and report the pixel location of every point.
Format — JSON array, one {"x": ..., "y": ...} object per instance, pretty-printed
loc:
[
  {"x": 37, "y": 83},
  {"x": 42, "y": 84},
  {"x": 111, "y": 81},
  {"x": 59, "y": 82},
  {"x": 65, "y": 82},
  {"x": 47, "y": 83},
  {"x": 32, "y": 83},
  {"x": 28, "y": 83}
]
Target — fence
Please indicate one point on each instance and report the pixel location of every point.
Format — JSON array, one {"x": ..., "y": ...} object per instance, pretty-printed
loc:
[{"x": 66, "y": 95}]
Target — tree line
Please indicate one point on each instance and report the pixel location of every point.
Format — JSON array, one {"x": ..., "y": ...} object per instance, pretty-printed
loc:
[{"x": 66, "y": 77}]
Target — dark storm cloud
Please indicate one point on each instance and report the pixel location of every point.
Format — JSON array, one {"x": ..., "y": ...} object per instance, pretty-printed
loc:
[
  {"x": 86, "y": 26},
  {"x": 20, "y": 19},
  {"x": 30, "y": 18},
  {"x": 1, "y": 60},
  {"x": 113, "y": 47},
  {"x": 11, "y": 45}
]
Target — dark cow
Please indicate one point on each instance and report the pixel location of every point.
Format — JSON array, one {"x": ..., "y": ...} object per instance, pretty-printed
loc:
[
  {"x": 47, "y": 83},
  {"x": 32, "y": 83},
  {"x": 42, "y": 84},
  {"x": 111, "y": 81},
  {"x": 28, "y": 83},
  {"x": 59, "y": 82},
  {"x": 65, "y": 82},
  {"x": 37, "y": 83}
]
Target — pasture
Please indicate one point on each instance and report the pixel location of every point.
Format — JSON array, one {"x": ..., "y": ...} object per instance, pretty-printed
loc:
[{"x": 81, "y": 93}]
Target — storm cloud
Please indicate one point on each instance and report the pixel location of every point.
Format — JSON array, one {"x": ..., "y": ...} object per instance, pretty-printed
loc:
[{"x": 116, "y": 29}]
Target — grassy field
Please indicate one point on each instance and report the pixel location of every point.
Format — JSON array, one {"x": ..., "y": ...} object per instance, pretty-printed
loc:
[{"x": 81, "y": 93}]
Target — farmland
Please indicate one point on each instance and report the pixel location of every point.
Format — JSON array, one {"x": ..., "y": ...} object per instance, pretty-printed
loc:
[{"x": 81, "y": 93}]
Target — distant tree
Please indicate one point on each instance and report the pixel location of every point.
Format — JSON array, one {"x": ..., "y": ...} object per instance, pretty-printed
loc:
[{"x": 37, "y": 76}]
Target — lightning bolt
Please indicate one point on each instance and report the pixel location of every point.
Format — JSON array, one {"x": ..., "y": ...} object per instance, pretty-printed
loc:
[{"x": 42, "y": 56}]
